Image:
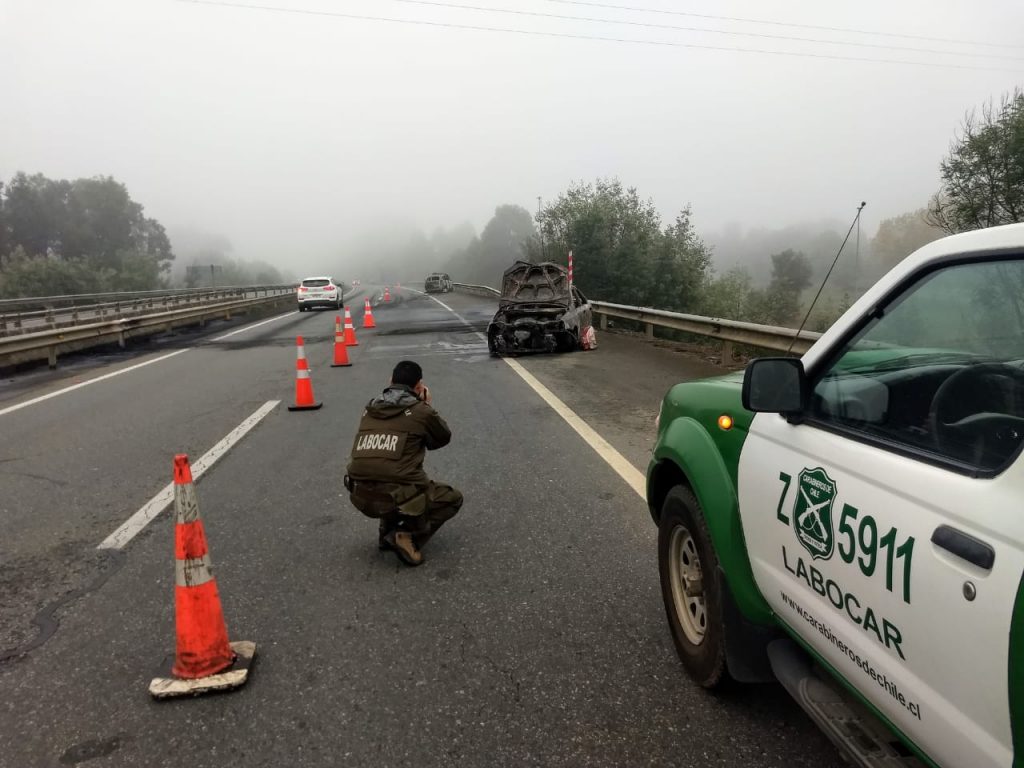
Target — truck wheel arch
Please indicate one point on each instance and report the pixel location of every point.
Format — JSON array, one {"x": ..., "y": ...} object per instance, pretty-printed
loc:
[{"x": 686, "y": 455}]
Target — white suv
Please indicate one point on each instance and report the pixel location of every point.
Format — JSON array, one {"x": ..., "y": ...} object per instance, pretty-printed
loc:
[{"x": 320, "y": 292}]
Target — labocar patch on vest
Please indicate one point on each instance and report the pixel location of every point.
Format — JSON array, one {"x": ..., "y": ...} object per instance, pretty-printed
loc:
[{"x": 385, "y": 445}]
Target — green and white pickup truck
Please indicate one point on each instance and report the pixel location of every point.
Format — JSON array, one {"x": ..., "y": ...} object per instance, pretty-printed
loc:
[{"x": 851, "y": 523}]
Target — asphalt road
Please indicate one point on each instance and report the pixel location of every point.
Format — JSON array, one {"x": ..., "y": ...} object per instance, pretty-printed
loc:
[{"x": 533, "y": 635}]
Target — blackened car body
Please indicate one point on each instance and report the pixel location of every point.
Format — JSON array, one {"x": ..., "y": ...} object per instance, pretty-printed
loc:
[
  {"x": 539, "y": 311},
  {"x": 437, "y": 282}
]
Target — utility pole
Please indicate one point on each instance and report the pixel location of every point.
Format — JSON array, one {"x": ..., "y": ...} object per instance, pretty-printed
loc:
[{"x": 540, "y": 230}]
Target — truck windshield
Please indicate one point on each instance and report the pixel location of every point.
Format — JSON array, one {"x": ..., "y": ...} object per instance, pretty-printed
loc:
[{"x": 939, "y": 371}]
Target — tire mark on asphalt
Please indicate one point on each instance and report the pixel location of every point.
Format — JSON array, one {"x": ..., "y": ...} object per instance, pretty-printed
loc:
[
  {"x": 33, "y": 476},
  {"x": 46, "y": 618}
]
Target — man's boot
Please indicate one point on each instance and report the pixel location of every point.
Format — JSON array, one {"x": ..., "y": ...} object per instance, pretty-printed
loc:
[
  {"x": 403, "y": 545},
  {"x": 422, "y": 536}
]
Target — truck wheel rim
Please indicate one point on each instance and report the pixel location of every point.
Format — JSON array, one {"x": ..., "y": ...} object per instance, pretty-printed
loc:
[{"x": 687, "y": 585}]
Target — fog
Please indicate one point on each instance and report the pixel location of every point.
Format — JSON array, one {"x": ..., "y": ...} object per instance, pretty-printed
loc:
[{"x": 307, "y": 139}]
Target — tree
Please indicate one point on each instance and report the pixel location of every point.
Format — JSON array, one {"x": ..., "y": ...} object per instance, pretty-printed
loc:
[
  {"x": 728, "y": 295},
  {"x": 681, "y": 269},
  {"x": 983, "y": 175},
  {"x": 612, "y": 233},
  {"x": 779, "y": 304},
  {"x": 900, "y": 236},
  {"x": 36, "y": 212},
  {"x": 81, "y": 235},
  {"x": 503, "y": 240}
]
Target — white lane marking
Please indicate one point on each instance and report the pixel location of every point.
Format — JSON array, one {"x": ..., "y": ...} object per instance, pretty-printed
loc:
[
  {"x": 634, "y": 478},
  {"x": 255, "y": 325},
  {"x": 73, "y": 387},
  {"x": 148, "y": 511}
]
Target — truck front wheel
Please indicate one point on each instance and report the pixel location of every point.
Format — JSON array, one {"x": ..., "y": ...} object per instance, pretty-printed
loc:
[{"x": 691, "y": 587}]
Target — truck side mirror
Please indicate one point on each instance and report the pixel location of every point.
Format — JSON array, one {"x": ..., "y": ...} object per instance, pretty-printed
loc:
[{"x": 775, "y": 385}]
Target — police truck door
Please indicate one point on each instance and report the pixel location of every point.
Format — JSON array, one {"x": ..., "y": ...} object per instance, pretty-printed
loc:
[{"x": 885, "y": 524}]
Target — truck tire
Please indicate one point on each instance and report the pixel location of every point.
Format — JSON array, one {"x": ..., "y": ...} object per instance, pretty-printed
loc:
[{"x": 691, "y": 587}]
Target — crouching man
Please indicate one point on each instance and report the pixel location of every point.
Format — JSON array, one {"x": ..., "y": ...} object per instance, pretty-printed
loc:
[{"x": 385, "y": 476}]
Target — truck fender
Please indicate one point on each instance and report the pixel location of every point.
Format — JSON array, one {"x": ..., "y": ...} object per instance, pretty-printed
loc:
[{"x": 699, "y": 465}]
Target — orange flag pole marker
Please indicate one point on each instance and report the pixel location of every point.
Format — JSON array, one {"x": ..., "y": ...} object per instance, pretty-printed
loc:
[
  {"x": 204, "y": 660},
  {"x": 368, "y": 321},
  {"x": 340, "y": 347},
  {"x": 350, "y": 330},
  {"x": 387, "y": 293},
  {"x": 303, "y": 384}
]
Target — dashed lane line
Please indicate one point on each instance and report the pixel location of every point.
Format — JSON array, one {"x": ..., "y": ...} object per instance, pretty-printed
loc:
[
  {"x": 255, "y": 325},
  {"x": 622, "y": 466},
  {"x": 152, "y": 508},
  {"x": 129, "y": 369},
  {"x": 73, "y": 387}
]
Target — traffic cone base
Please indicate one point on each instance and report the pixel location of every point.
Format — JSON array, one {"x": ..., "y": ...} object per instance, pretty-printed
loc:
[
  {"x": 311, "y": 407},
  {"x": 166, "y": 686}
]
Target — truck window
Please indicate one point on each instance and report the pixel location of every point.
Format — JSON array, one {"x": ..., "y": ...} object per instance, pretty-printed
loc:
[{"x": 939, "y": 373}]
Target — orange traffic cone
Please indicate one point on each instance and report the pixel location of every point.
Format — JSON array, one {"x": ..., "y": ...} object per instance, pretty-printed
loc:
[
  {"x": 350, "y": 330},
  {"x": 303, "y": 384},
  {"x": 340, "y": 347},
  {"x": 368, "y": 321},
  {"x": 204, "y": 660},
  {"x": 387, "y": 293}
]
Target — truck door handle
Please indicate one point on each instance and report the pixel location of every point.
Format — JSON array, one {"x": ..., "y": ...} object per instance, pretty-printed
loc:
[{"x": 965, "y": 547}]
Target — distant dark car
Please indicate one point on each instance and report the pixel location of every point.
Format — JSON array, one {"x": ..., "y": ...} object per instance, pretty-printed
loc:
[
  {"x": 437, "y": 282},
  {"x": 539, "y": 312}
]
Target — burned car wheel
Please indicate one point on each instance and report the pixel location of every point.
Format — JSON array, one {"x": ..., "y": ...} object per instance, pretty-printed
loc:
[{"x": 568, "y": 342}]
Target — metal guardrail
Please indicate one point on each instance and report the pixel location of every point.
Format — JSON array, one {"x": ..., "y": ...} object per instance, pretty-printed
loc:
[
  {"x": 47, "y": 343},
  {"x": 729, "y": 332},
  {"x": 123, "y": 296},
  {"x": 17, "y": 315},
  {"x": 480, "y": 290}
]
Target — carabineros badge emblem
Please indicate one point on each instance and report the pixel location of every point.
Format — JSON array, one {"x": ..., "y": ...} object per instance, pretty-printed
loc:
[{"x": 812, "y": 513}]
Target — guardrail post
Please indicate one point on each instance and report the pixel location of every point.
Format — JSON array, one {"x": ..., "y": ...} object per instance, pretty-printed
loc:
[
  {"x": 50, "y": 319},
  {"x": 727, "y": 352},
  {"x": 121, "y": 340},
  {"x": 17, "y": 321},
  {"x": 3, "y": 325},
  {"x": 52, "y": 356},
  {"x": 604, "y": 322},
  {"x": 227, "y": 314},
  {"x": 649, "y": 330}
]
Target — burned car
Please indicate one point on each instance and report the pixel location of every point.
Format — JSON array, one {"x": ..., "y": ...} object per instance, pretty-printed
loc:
[{"x": 539, "y": 311}]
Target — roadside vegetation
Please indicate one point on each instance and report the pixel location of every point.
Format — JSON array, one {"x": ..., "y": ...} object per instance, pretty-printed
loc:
[{"x": 89, "y": 236}]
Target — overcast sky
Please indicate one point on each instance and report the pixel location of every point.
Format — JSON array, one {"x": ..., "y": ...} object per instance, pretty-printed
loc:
[{"x": 285, "y": 131}]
